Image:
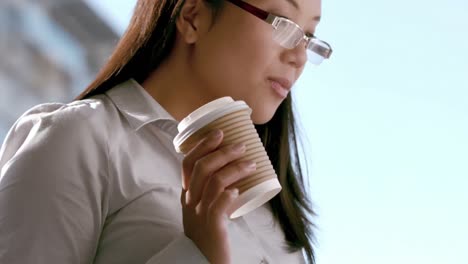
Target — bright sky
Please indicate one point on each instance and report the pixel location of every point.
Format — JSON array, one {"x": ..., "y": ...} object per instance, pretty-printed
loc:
[{"x": 387, "y": 124}]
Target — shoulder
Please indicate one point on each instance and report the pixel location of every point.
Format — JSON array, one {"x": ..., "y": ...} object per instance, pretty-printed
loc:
[
  {"x": 54, "y": 176},
  {"x": 71, "y": 116},
  {"x": 57, "y": 127}
]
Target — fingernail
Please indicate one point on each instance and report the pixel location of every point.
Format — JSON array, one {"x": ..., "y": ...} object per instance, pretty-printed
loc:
[
  {"x": 250, "y": 165},
  {"x": 239, "y": 148},
  {"x": 217, "y": 134},
  {"x": 235, "y": 192}
]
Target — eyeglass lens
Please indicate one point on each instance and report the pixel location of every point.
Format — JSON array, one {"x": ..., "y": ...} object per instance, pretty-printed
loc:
[{"x": 289, "y": 35}]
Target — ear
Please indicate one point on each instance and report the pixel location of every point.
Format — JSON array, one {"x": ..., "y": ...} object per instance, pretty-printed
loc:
[{"x": 188, "y": 22}]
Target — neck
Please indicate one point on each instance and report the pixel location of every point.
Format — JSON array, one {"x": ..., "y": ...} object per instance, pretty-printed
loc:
[{"x": 175, "y": 88}]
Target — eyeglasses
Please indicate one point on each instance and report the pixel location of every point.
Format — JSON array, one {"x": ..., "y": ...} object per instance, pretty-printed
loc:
[{"x": 289, "y": 34}]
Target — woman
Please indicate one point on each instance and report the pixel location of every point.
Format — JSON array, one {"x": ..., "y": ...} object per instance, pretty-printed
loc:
[{"x": 98, "y": 181}]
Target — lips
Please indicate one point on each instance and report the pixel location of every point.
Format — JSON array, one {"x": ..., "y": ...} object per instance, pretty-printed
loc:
[
  {"x": 283, "y": 82},
  {"x": 281, "y": 86}
]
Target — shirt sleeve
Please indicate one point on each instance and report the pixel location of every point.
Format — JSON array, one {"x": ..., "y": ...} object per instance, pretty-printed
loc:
[
  {"x": 52, "y": 189},
  {"x": 180, "y": 251}
]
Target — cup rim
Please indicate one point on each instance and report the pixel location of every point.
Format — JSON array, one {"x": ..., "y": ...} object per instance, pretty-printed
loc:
[{"x": 204, "y": 120}]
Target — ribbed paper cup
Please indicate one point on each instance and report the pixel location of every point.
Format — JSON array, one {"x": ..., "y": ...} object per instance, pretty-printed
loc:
[{"x": 233, "y": 118}]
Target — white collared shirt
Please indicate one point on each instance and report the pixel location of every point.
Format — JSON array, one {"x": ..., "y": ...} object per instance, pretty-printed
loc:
[{"x": 99, "y": 181}]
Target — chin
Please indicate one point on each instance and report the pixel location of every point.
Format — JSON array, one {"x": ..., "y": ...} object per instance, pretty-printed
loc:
[
  {"x": 262, "y": 111},
  {"x": 261, "y": 118}
]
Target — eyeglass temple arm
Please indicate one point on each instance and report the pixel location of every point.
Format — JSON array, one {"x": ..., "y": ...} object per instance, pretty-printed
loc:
[{"x": 263, "y": 15}]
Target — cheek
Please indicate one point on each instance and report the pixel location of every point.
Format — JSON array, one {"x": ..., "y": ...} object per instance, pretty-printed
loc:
[
  {"x": 236, "y": 63},
  {"x": 249, "y": 53},
  {"x": 236, "y": 60},
  {"x": 246, "y": 38},
  {"x": 253, "y": 45}
]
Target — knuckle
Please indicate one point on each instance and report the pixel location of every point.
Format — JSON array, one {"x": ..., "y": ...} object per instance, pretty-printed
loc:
[
  {"x": 226, "y": 150},
  {"x": 189, "y": 207},
  {"x": 186, "y": 206},
  {"x": 231, "y": 152},
  {"x": 210, "y": 211},
  {"x": 214, "y": 210},
  {"x": 218, "y": 182},
  {"x": 240, "y": 168},
  {"x": 201, "y": 165}
]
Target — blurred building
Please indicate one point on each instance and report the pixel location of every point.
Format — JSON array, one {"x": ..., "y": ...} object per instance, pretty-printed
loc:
[{"x": 49, "y": 52}]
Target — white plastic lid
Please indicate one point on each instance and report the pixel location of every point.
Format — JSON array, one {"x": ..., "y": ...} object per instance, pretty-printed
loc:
[
  {"x": 195, "y": 115},
  {"x": 205, "y": 115}
]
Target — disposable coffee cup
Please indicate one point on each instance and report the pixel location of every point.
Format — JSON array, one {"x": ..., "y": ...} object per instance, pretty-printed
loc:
[{"x": 233, "y": 118}]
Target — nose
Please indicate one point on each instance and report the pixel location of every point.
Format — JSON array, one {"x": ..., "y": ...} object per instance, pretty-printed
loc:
[{"x": 297, "y": 57}]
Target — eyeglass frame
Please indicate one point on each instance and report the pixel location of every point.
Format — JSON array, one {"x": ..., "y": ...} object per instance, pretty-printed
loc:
[{"x": 274, "y": 20}]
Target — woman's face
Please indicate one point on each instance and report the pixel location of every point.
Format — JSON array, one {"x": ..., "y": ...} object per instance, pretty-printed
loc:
[{"x": 236, "y": 55}]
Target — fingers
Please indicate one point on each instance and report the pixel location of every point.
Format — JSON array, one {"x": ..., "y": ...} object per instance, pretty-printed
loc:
[
  {"x": 183, "y": 199},
  {"x": 218, "y": 182},
  {"x": 205, "y": 146},
  {"x": 207, "y": 166},
  {"x": 220, "y": 207}
]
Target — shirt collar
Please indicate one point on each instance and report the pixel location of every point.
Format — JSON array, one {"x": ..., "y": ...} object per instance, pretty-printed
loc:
[{"x": 138, "y": 107}]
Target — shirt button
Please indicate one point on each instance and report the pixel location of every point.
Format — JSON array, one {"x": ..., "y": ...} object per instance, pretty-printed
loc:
[{"x": 263, "y": 261}]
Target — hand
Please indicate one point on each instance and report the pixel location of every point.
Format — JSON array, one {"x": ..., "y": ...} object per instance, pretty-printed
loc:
[{"x": 207, "y": 170}]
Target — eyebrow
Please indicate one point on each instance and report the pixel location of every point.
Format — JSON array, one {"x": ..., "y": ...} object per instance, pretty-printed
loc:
[
  {"x": 296, "y": 6},
  {"x": 293, "y": 3}
]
